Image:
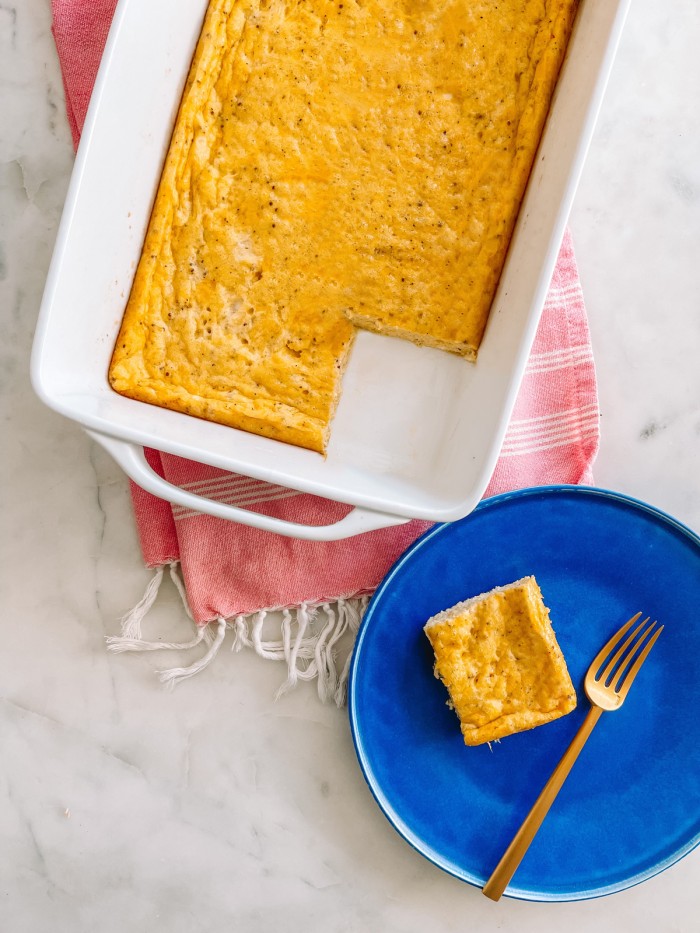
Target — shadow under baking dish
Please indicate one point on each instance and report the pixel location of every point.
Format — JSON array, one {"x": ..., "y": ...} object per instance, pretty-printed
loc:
[{"x": 631, "y": 806}]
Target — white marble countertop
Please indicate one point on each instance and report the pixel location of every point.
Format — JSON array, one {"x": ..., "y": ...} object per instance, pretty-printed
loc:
[{"x": 123, "y": 806}]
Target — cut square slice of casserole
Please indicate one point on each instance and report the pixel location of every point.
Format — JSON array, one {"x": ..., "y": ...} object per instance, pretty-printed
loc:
[{"x": 499, "y": 659}]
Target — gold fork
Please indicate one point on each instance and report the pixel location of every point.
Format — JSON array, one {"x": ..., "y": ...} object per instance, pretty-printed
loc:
[{"x": 607, "y": 690}]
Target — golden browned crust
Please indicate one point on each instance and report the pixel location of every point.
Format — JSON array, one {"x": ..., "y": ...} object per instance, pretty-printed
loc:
[{"x": 498, "y": 656}]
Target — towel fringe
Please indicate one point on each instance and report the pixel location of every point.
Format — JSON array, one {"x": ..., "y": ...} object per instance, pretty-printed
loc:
[
  {"x": 176, "y": 674},
  {"x": 307, "y": 640},
  {"x": 131, "y": 622},
  {"x": 180, "y": 586},
  {"x": 131, "y": 638},
  {"x": 293, "y": 651},
  {"x": 119, "y": 645},
  {"x": 355, "y": 610}
]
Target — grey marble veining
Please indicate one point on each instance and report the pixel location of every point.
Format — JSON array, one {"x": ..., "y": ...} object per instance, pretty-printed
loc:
[{"x": 212, "y": 807}]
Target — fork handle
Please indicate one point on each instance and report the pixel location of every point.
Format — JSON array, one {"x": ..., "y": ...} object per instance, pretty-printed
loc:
[{"x": 511, "y": 858}]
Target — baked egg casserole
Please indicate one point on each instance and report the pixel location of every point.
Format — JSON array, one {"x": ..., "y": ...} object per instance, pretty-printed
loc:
[
  {"x": 333, "y": 165},
  {"x": 499, "y": 659}
]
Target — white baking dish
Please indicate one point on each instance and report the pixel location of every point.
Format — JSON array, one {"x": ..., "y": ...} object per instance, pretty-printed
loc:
[{"x": 418, "y": 431}]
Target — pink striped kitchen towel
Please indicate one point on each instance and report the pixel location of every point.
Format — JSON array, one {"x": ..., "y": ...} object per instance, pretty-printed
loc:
[{"x": 231, "y": 576}]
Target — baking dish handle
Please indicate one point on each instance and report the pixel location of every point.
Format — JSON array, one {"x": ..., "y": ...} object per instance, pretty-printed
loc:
[{"x": 132, "y": 459}]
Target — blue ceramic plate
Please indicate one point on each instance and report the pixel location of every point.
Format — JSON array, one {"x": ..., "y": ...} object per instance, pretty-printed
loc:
[{"x": 631, "y": 806}]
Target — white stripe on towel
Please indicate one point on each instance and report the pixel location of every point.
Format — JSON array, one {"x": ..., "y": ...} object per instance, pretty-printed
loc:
[
  {"x": 235, "y": 498},
  {"x": 550, "y": 443},
  {"x": 230, "y": 480},
  {"x": 534, "y": 424},
  {"x": 562, "y": 292},
  {"x": 557, "y": 359}
]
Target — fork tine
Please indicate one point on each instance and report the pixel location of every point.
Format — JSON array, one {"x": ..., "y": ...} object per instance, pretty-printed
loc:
[
  {"x": 605, "y": 676},
  {"x": 610, "y": 644},
  {"x": 632, "y": 673},
  {"x": 616, "y": 679}
]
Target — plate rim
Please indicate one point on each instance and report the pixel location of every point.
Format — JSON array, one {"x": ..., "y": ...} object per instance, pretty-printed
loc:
[{"x": 399, "y": 825}]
